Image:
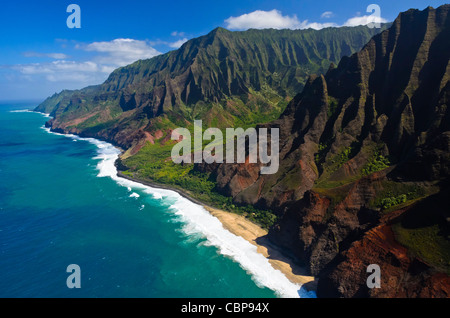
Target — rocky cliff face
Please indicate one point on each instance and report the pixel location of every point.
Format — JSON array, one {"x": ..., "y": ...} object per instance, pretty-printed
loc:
[
  {"x": 370, "y": 136},
  {"x": 403, "y": 273}
]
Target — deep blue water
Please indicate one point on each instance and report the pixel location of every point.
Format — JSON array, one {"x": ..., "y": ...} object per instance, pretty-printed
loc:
[{"x": 56, "y": 210}]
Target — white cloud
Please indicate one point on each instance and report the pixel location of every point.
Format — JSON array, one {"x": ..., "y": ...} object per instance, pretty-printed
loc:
[
  {"x": 175, "y": 44},
  {"x": 316, "y": 25},
  {"x": 327, "y": 15},
  {"x": 178, "y": 43},
  {"x": 364, "y": 20},
  {"x": 96, "y": 61},
  {"x": 176, "y": 33},
  {"x": 271, "y": 19},
  {"x": 56, "y": 56},
  {"x": 262, "y": 20},
  {"x": 56, "y": 66},
  {"x": 107, "y": 56},
  {"x": 121, "y": 52},
  {"x": 62, "y": 70},
  {"x": 275, "y": 19}
]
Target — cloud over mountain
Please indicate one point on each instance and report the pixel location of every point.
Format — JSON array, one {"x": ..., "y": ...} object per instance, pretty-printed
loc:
[
  {"x": 121, "y": 52},
  {"x": 274, "y": 19}
]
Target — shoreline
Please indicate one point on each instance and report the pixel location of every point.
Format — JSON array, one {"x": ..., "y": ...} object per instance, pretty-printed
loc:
[
  {"x": 251, "y": 232},
  {"x": 241, "y": 227}
]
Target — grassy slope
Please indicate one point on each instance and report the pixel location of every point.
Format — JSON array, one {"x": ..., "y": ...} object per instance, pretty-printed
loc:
[{"x": 161, "y": 169}]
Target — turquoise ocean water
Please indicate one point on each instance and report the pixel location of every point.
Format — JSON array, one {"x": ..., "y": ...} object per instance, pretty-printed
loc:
[{"x": 61, "y": 204}]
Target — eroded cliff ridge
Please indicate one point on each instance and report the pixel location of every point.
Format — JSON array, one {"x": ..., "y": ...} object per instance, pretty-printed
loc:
[{"x": 368, "y": 140}]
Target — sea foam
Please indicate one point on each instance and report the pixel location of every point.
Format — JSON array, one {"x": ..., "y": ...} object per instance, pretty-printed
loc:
[{"x": 198, "y": 222}]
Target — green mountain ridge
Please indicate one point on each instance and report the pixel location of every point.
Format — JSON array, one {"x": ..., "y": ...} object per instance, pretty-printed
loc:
[{"x": 226, "y": 78}]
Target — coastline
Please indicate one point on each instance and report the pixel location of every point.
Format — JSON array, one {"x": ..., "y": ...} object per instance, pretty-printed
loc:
[
  {"x": 240, "y": 226},
  {"x": 235, "y": 224},
  {"x": 251, "y": 232}
]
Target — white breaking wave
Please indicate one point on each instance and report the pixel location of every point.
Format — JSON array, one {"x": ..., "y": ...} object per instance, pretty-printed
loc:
[
  {"x": 21, "y": 111},
  {"x": 29, "y": 111},
  {"x": 199, "y": 222}
]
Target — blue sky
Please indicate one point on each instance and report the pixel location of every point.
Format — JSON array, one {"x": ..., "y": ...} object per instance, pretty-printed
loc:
[{"x": 40, "y": 55}]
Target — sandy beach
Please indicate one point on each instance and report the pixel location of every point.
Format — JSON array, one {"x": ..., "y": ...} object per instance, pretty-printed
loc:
[{"x": 239, "y": 225}]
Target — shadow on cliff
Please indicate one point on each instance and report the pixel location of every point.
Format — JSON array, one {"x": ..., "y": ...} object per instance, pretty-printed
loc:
[
  {"x": 279, "y": 254},
  {"x": 430, "y": 211}
]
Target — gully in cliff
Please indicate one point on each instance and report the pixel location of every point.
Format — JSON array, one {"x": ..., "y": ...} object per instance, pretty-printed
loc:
[{"x": 213, "y": 152}]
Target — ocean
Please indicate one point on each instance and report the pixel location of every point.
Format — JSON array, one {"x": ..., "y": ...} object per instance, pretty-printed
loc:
[{"x": 61, "y": 203}]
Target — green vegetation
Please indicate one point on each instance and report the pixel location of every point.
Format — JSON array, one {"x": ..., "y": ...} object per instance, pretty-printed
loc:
[
  {"x": 319, "y": 156},
  {"x": 330, "y": 166},
  {"x": 397, "y": 193},
  {"x": 332, "y": 106},
  {"x": 426, "y": 243},
  {"x": 341, "y": 158},
  {"x": 393, "y": 201},
  {"x": 161, "y": 169},
  {"x": 424, "y": 230},
  {"x": 376, "y": 163},
  {"x": 331, "y": 176}
]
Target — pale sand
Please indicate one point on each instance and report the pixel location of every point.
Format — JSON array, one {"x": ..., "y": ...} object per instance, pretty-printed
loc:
[{"x": 254, "y": 234}]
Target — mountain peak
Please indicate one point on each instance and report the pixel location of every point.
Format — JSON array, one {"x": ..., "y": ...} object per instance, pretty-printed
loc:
[{"x": 219, "y": 31}]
